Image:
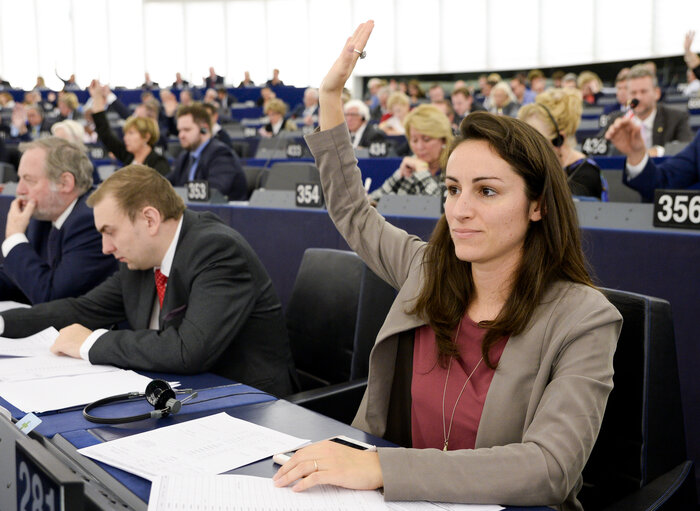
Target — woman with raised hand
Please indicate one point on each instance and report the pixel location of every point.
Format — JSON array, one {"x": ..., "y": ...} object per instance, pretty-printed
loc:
[{"x": 494, "y": 365}]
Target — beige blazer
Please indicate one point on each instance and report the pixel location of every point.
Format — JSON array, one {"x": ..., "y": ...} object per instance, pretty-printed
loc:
[{"x": 546, "y": 401}]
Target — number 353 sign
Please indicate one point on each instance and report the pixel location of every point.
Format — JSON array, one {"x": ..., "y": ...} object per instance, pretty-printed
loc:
[{"x": 677, "y": 208}]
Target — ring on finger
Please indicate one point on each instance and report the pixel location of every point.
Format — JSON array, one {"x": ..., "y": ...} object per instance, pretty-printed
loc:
[
  {"x": 315, "y": 466},
  {"x": 361, "y": 53}
]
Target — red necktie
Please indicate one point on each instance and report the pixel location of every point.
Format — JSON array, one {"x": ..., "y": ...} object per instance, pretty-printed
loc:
[{"x": 161, "y": 282}]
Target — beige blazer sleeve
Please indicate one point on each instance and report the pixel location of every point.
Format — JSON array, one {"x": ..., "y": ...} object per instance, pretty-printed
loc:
[{"x": 387, "y": 250}]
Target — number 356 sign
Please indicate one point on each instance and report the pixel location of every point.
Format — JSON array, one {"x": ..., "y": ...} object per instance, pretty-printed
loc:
[{"x": 677, "y": 208}]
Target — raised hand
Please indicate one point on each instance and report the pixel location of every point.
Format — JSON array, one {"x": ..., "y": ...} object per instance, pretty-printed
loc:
[{"x": 627, "y": 137}]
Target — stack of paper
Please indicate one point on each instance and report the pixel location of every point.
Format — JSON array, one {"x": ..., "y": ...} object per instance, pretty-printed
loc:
[
  {"x": 36, "y": 380},
  {"x": 207, "y": 446},
  {"x": 237, "y": 492}
]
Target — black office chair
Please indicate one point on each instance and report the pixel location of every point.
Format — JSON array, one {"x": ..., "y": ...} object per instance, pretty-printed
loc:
[
  {"x": 8, "y": 173},
  {"x": 286, "y": 175},
  {"x": 253, "y": 176},
  {"x": 639, "y": 461},
  {"x": 336, "y": 310}
]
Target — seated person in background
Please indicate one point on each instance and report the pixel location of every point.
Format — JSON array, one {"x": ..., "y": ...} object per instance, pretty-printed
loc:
[
  {"x": 445, "y": 106},
  {"x": 569, "y": 81},
  {"x": 523, "y": 95},
  {"x": 620, "y": 93},
  {"x": 209, "y": 305},
  {"x": 487, "y": 87},
  {"x": 307, "y": 110},
  {"x": 70, "y": 83},
  {"x": 225, "y": 100},
  {"x": 641, "y": 173},
  {"x": 212, "y": 79},
  {"x": 502, "y": 100},
  {"x": 205, "y": 158},
  {"x": 140, "y": 135},
  {"x": 362, "y": 132},
  {"x": 266, "y": 94},
  {"x": 496, "y": 316},
  {"x": 538, "y": 82},
  {"x": 247, "y": 81},
  {"x": 51, "y": 248},
  {"x": 275, "y": 110},
  {"x": 186, "y": 98},
  {"x": 68, "y": 107},
  {"x": 415, "y": 92},
  {"x": 558, "y": 79},
  {"x": 429, "y": 134},
  {"x": 148, "y": 83},
  {"x": 463, "y": 104},
  {"x": 210, "y": 96},
  {"x": 72, "y": 131},
  {"x": 660, "y": 123},
  {"x": 556, "y": 114},
  {"x": 275, "y": 80},
  {"x": 180, "y": 82},
  {"x": 381, "y": 111},
  {"x": 216, "y": 129},
  {"x": 399, "y": 105},
  {"x": 436, "y": 93},
  {"x": 168, "y": 124},
  {"x": 591, "y": 87},
  {"x": 692, "y": 88},
  {"x": 28, "y": 122},
  {"x": 373, "y": 86}
]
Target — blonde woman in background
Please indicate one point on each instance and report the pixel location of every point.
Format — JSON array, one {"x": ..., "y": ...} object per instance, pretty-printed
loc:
[
  {"x": 556, "y": 114},
  {"x": 399, "y": 105}
]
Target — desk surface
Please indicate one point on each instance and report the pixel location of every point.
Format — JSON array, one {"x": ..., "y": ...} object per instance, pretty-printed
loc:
[{"x": 279, "y": 415}]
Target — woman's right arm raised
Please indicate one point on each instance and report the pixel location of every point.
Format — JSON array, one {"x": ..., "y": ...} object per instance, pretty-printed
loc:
[{"x": 330, "y": 102}]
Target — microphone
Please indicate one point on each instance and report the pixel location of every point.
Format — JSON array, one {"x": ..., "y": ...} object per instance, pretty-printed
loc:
[{"x": 632, "y": 105}]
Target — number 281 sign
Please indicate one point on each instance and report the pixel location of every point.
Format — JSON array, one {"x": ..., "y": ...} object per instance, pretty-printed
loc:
[{"x": 677, "y": 208}]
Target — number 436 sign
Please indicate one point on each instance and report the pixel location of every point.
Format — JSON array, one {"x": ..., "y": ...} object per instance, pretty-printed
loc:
[{"x": 677, "y": 208}]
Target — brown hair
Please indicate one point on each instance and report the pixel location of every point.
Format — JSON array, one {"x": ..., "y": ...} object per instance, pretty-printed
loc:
[
  {"x": 136, "y": 186},
  {"x": 198, "y": 112},
  {"x": 147, "y": 128},
  {"x": 551, "y": 250}
]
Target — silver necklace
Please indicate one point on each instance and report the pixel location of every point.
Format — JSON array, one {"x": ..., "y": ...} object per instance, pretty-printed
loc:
[{"x": 446, "y": 434}]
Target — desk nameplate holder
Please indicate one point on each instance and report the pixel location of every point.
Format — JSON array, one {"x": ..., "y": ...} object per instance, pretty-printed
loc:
[{"x": 678, "y": 209}]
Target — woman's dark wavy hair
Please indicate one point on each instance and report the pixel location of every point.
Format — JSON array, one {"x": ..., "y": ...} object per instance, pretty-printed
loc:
[{"x": 551, "y": 250}]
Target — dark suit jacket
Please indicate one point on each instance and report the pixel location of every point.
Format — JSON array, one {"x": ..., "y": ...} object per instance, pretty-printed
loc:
[
  {"x": 210, "y": 83},
  {"x": 680, "y": 172},
  {"x": 669, "y": 124},
  {"x": 117, "y": 147},
  {"x": 371, "y": 134},
  {"x": 219, "y": 165},
  {"x": 74, "y": 266},
  {"x": 220, "y": 313}
]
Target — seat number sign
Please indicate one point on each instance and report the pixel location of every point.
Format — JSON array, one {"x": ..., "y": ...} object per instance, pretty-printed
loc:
[
  {"x": 197, "y": 191},
  {"x": 309, "y": 195},
  {"x": 35, "y": 491},
  {"x": 677, "y": 208}
]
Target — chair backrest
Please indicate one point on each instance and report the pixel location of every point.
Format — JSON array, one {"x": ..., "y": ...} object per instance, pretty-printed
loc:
[
  {"x": 333, "y": 316},
  {"x": 253, "y": 176},
  {"x": 8, "y": 174},
  {"x": 642, "y": 435},
  {"x": 286, "y": 175}
]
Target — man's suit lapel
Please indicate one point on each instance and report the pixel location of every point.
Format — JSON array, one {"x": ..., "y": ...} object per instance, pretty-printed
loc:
[
  {"x": 657, "y": 136},
  {"x": 175, "y": 299}
]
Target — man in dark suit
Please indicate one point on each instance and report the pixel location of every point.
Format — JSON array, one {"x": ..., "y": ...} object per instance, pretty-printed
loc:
[
  {"x": 28, "y": 122},
  {"x": 212, "y": 79},
  {"x": 204, "y": 157},
  {"x": 194, "y": 293},
  {"x": 219, "y": 133},
  {"x": 660, "y": 124},
  {"x": 51, "y": 248},
  {"x": 180, "y": 83},
  {"x": 362, "y": 133}
]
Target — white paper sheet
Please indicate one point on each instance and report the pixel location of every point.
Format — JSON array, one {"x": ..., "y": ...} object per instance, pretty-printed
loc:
[
  {"x": 237, "y": 492},
  {"x": 66, "y": 391},
  {"x": 31, "y": 368},
  {"x": 6, "y": 305},
  {"x": 207, "y": 446},
  {"x": 36, "y": 345}
]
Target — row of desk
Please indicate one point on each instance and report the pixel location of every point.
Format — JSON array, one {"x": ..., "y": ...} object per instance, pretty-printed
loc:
[{"x": 54, "y": 444}]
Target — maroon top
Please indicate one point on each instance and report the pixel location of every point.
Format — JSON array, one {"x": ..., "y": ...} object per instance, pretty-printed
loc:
[{"x": 428, "y": 385}]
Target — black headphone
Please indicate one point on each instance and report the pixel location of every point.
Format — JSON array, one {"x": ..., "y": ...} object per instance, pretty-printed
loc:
[
  {"x": 557, "y": 141},
  {"x": 203, "y": 130},
  {"x": 158, "y": 393}
]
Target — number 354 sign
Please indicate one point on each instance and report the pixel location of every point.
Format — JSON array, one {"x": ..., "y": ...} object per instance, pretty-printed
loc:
[{"x": 677, "y": 208}]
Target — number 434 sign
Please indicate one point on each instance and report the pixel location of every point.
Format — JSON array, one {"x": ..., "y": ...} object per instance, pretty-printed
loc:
[{"x": 677, "y": 208}]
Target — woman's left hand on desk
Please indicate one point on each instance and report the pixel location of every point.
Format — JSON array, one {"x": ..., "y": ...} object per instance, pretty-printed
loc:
[{"x": 331, "y": 463}]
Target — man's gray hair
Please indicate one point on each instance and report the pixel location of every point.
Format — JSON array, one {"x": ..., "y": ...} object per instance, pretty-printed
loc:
[
  {"x": 63, "y": 156},
  {"x": 642, "y": 71}
]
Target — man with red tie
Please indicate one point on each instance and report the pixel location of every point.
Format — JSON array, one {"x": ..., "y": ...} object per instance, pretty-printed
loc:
[
  {"x": 192, "y": 290},
  {"x": 51, "y": 249}
]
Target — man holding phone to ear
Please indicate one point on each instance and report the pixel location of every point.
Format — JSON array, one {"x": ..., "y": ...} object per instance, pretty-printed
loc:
[{"x": 205, "y": 158}]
